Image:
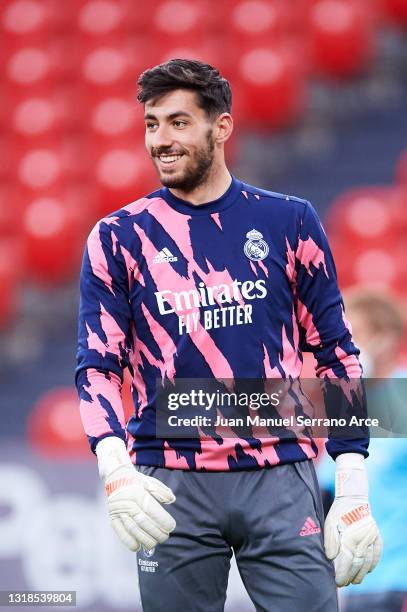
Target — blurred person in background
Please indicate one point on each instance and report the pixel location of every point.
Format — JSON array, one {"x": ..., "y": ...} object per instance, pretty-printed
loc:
[
  {"x": 206, "y": 234},
  {"x": 378, "y": 329}
]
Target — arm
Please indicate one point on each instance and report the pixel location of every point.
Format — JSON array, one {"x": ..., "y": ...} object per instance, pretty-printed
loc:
[
  {"x": 105, "y": 343},
  {"x": 326, "y": 333},
  {"x": 104, "y": 337},
  {"x": 351, "y": 535}
]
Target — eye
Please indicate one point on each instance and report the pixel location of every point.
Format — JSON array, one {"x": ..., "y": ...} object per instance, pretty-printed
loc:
[
  {"x": 180, "y": 123},
  {"x": 150, "y": 126}
]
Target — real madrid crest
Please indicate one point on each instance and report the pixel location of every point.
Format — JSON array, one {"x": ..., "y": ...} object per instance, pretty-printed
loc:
[{"x": 255, "y": 247}]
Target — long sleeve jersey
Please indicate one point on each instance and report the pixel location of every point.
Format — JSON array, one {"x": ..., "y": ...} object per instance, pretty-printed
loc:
[{"x": 231, "y": 289}]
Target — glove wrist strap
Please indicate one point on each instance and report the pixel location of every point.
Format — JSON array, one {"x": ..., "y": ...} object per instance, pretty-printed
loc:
[
  {"x": 112, "y": 455},
  {"x": 351, "y": 477}
]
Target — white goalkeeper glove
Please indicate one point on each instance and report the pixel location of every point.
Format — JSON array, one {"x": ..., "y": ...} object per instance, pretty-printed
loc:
[
  {"x": 352, "y": 538},
  {"x": 134, "y": 500}
]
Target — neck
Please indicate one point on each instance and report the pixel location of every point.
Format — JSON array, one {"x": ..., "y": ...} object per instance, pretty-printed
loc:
[{"x": 217, "y": 182}]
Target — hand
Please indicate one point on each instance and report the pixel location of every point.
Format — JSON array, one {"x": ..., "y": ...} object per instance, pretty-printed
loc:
[
  {"x": 134, "y": 500},
  {"x": 352, "y": 538}
]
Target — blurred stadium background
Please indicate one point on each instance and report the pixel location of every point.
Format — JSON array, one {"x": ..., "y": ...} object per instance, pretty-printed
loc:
[{"x": 320, "y": 104}]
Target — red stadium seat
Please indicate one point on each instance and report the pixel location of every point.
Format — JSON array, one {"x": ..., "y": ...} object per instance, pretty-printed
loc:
[
  {"x": 34, "y": 116},
  {"x": 37, "y": 121},
  {"x": 40, "y": 168},
  {"x": 368, "y": 213},
  {"x": 178, "y": 23},
  {"x": 401, "y": 169},
  {"x": 113, "y": 66},
  {"x": 70, "y": 102},
  {"x": 28, "y": 63},
  {"x": 378, "y": 266},
  {"x": 179, "y": 17},
  {"x": 395, "y": 11},
  {"x": 341, "y": 36},
  {"x": 367, "y": 229},
  {"x": 10, "y": 266},
  {"x": 117, "y": 125},
  {"x": 54, "y": 426},
  {"x": 11, "y": 269},
  {"x": 25, "y": 35},
  {"x": 271, "y": 87},
  {"x": 114, "y": 116},
  {"x": 104, "y": 65},
  {"x": 258, "y": 22},
  {"x": 10, "y": 215},
  {"x": 53, "y": 232},
  {"x": 25, "y": 17},
  {"x": 256, "y": 18},
  {"x": 9, "y": 157},
  {"x": 384, "y": 268},
  {"x": 58, "y": 156},
  {"x": 101, "y": 17},
  {"x": 123, "y": 174},
  {"x": 28, "y": 66}
]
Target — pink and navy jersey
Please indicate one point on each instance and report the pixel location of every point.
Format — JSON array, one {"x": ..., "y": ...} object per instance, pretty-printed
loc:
[{"x": 235, "y": 288}]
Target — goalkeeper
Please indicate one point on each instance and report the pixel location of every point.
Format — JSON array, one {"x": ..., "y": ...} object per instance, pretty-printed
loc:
[{"x": 153, "y": 272}]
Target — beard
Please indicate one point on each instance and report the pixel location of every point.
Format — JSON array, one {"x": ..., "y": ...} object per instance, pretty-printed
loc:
[{"x": 196, "y": 170}]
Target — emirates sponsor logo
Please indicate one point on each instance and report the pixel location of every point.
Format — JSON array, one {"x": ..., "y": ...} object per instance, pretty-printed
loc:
[
  {"x": 182, "y": 301},
  {"x": 187, "y": 304}
]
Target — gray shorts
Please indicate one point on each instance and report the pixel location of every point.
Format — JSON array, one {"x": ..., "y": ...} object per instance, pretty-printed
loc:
[{"x": 271, "y": 519}]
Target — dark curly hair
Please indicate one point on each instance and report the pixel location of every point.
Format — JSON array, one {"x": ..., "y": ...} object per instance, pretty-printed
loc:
[{"x": 214, "y": 94}]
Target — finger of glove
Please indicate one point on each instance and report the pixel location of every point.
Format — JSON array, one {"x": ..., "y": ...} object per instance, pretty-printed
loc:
[
  {"x": 331, "y": 538},
  {"x": 124, "y": 535},
  {"x": 346, "y": 567},
  {"x": 354, "y": 545},
  {"x": 144, "y": 522},
  {"x": 377, "y": 551},
  {"x": 159, "y": 490},
  {"x": 365, "y": 566},
  {"x": 157, "y": 514},
  {"x": 124, "y": 503},
  {"x": 369, "y": 536},
  {"x": 357, "y": 564},
  {"x": 138, "y": 532}
]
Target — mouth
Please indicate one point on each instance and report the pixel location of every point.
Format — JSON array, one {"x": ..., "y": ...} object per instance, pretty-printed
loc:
[{"x": 168, "y": 160}]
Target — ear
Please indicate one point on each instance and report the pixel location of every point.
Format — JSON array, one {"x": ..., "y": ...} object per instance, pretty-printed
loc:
[{"x": 223, "y": 128}]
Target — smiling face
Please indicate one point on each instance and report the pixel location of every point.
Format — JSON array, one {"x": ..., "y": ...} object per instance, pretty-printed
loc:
[{"x": 180, "y": 139}]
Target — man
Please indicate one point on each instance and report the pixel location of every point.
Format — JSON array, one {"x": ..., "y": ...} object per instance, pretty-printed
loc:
[
  {"x": 210, "y": 278},
  {"x": 379, "y": 329}
]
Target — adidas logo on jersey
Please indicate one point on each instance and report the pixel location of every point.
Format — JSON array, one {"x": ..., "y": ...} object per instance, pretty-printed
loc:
[
  {"x": 163, "y": 256},
  {"x": 309, "y": 527}
]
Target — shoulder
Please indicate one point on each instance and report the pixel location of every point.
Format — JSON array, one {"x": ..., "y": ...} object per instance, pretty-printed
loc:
[
  {"x": 280, "y": 200},
  {"x": 123, "y": 217}
]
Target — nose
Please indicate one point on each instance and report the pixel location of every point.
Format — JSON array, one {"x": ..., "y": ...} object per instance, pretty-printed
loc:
[{"x": 162, "y": 137}]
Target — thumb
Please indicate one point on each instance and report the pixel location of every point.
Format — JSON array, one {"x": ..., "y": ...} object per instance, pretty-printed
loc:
[{"x": 158, "y": 490}]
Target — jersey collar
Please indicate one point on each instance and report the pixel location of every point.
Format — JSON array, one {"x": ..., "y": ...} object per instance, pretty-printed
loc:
[{"x": 186, "y": 208}]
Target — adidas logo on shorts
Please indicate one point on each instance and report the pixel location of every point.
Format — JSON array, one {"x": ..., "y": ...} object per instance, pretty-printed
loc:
[
  {"x": 309, "y": 527},
  {"x": 163, "y": 256}
]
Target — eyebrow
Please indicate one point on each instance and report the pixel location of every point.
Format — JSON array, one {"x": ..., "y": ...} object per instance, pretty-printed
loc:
[{"x": 170, "y": 117}]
